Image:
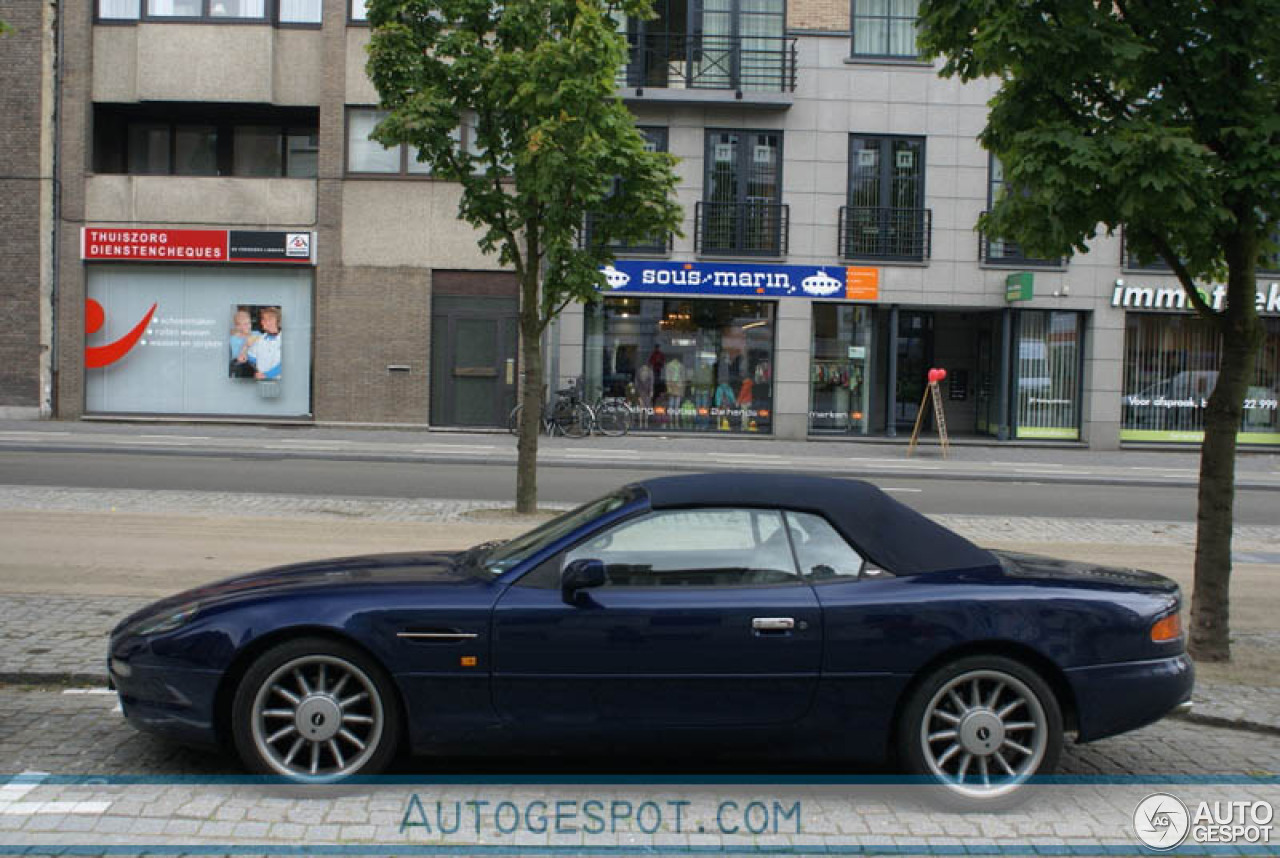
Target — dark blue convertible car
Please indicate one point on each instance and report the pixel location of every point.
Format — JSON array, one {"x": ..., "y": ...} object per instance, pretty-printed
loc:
[{"x": 780, "y": 614}]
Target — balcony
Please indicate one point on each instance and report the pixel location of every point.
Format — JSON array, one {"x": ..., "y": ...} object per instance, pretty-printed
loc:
[
  {"x": 749, "y": 71},
  {"x": 655, "y": 245},
  {"x": 885, "y": 234},
  {"x": 741, "y": 229},
  {"x": 1008, "y": 254}
]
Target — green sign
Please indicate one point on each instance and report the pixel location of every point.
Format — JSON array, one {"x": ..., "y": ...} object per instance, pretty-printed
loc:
[{"x": 1019, "y": 287}]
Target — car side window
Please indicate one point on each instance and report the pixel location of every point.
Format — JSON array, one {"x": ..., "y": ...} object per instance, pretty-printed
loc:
[
  {"x": 694, "y": 548},
  {"x": 822, "y": 552}
]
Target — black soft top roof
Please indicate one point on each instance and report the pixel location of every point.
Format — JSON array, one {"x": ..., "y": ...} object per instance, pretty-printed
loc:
[{"x": 886, "y": 532}]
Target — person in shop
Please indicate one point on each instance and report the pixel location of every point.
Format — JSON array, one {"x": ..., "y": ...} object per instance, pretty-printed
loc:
[
  {"x": 242, "y": 337},
  {"x": 265, "y": 353},
  {"x": 644, "y": 393}
]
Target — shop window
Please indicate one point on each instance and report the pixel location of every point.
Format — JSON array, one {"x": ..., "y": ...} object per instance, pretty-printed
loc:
[
  {"x": 885, "y": 218},
  {"x": 885, "y": 28},
  {"x": 694, "y": 548},
  {"x": 840, "y": 372},
  {"x": 290, "y": 12},
  {"x": 1047, "y": 364},
  {"x": 684, "y": 365},
  {"x": 1003, "y": 251},
  {"x": 221, "y": 340},
  {"x": 741, "y": 213},
  {"x": 1170, "y": 368},
  {"x": 196, "y": 140},
  {"x": 655, "y": 140}
]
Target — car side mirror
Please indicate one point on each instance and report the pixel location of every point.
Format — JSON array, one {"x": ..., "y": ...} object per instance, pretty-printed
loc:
[{"x": 581, "y": 575}]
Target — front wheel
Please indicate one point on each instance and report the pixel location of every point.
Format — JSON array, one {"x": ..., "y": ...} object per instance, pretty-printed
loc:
[
  {"x": 314, "y": 709},
  {"x": 613, "y": 419},
  {"x": 573, "y": 420},
  {"x": 980, "y": 727}
]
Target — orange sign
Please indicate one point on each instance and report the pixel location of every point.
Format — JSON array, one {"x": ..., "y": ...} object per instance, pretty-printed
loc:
[{"x": 862, "y": 284}]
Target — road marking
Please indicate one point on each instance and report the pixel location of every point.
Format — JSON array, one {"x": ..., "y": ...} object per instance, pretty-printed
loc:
[
  {"x": 433, "y": 451},
  {"x": 1055, "y": 473},
  {"x": 459, "y": 448},
  {"x": 896, "y": 489},
  {"x": 179, "y": 437},
  {"x": 36, "y": 432},
  {"x": 12, "y": 793},
  {"x": 310, "y": 441},
  {"x": 87, "y": 691},
  {"x": 602, "y": 455}
]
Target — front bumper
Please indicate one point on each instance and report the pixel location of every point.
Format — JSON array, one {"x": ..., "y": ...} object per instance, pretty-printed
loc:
[
  {"x": 1116, "y": 698},
  {"x": 178, "y": 703}
]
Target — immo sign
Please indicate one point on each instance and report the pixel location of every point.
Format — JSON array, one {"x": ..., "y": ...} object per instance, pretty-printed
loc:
[{"x": 1175, "y": 297}]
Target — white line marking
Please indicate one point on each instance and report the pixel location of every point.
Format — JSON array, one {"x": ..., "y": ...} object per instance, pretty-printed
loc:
[
  {"x": 1054, "y": 474},
  {"x": 610, "y": 453},
  {"x": 894, "y": 489},
  {"x": 178, "y": 437},
  {"x": 31, "y": 432},
  {"x": 309, "y": 441},
  {"x": 87, "y": 691},
  {"x": 138, "y": 442},
  {"x": 12, "y": 793},
  {"x": 432, "y": 451}
]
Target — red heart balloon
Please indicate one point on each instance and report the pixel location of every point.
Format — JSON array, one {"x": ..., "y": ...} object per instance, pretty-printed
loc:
[
  {"x": 933, "y": 376},
  {"x": 942, "y": 375}
]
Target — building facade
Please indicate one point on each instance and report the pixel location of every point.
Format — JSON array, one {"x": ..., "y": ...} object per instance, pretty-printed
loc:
[{"x": 232, "y": 245}]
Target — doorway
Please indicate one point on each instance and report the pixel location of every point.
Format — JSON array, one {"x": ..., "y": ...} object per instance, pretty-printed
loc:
[
  {"x": 473, "y": 359},
  {"x": 914, "y": 357}
]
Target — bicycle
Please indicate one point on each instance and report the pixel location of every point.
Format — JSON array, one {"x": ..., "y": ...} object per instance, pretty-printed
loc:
[
  {"x": 612, "y": 415},
  {"x": 568, "y": 415}
]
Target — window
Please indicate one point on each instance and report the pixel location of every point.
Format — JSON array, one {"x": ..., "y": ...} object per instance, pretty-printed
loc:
[
  {"x": 885, "y": 218},
  {"x": 822, "y": 553},
  {"x": 358, "y": 11},
  {"x": 884, "y": 28},
  {"x": 1003, "y": 251},
  {"x": 741, "y": 213},
  {"x": 371, "y": 157},
  {"x": 655, "y": 140},
  {"x": 286, "y": 11},
  {"x": 694, "y": 548},
  {"x": 205, "y": 140},
  {"x": 1047, "y": 371}
]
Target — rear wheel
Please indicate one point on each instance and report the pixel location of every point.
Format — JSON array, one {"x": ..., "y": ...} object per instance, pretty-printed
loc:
[
  {"x": 573, "y": 420},
  {"x": 980, "y": 727},
  {"x": 613, "y": 418},
  {"x": 513, "y": 421},
  {"x": 314, "y": 709}
]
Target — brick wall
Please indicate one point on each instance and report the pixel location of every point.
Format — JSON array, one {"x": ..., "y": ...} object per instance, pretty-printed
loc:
[
  {"x": 829, "y": 15},
  {"x": 21, "y": 187}
]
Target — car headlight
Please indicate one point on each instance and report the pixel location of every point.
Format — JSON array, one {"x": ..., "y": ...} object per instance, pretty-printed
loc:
[{"x": 167, "y": 622}]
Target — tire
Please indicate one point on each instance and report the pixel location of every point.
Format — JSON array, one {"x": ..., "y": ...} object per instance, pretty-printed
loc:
[
  {"x": 513, "y": 420},
  {"x": 574, "y": 421},
  {"x": 999, "y": 713},
  {"x": 613, "y": 419},
  {"x": 333, "y": 709}
]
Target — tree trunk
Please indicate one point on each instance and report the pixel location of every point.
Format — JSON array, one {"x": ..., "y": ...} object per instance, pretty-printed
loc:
[
  {"x": 1210, "y": 638},
  {"x": 530, "y": 395}
]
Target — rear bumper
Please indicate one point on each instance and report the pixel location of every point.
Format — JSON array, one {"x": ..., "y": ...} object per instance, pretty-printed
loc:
[{"x": 1116, "y": 698}]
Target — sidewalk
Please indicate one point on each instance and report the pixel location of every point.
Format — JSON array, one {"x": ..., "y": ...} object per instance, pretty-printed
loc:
[
  {"x": 59, "y": 598},
  {"x": 642, "y": 451}
]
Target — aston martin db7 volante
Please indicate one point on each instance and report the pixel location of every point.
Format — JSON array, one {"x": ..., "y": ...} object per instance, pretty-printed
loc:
[{"x": 766, "y": 614}]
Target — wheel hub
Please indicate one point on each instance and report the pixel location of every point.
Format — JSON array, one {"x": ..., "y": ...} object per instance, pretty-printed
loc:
[
  {"x": 318, "y": 718},
  {"x": 981, "y": 732}
]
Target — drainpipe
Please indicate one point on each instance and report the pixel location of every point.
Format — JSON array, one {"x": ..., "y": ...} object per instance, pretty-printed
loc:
[
  {"x": 1006, "y": 361},
  {"x": 48, "y": 397},
  {"x": 891, "y": 394}
]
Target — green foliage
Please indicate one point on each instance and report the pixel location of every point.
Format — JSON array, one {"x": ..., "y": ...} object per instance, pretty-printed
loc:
[
  {"x": 1157, "y": 114},
  {"x": 534, "y": 81}
]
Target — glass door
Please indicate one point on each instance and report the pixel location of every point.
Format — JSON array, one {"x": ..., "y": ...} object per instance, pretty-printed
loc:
[{"x": 914, "y": 357}]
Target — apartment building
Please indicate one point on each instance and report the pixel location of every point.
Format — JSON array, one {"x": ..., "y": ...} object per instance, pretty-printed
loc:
[{"x": 232, "y": 245}]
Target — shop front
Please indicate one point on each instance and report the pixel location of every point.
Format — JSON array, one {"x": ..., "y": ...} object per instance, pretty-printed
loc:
[
  {"x": 1171, "y": 360},
  {"x": 692, "y": 347},
  {"x": 198, "y": 322}
]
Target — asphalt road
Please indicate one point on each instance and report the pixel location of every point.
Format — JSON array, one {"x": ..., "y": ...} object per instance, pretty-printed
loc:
[{"x": 478, "y": 481}]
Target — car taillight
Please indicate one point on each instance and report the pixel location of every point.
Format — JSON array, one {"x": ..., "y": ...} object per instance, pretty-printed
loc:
[{"x": 1167, "y": 628}]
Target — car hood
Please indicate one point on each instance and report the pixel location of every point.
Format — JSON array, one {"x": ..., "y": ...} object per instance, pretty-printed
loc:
[
  {"x": 441, "y": 568},
  {"x": 1092, "y": 575}
]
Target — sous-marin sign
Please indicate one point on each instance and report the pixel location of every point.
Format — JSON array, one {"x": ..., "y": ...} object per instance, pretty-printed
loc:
[
  {"x": 196, "y": 245},
  {"x": 836, "y": 282}
]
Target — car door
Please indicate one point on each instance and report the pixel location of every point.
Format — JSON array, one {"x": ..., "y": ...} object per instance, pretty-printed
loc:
[{"x": 703, "y": 620}]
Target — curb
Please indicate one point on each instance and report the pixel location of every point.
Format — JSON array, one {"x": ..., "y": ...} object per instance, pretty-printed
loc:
[{"x": 1229, "y": 723}]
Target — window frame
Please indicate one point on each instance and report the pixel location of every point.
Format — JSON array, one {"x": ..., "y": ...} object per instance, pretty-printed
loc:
[
  {"x": 1021, "y": 260},
  {"x": 270, "y": 16},
  {"x": 886, "y": 20},
  {"x": 743, "y": 167},
  {"x": 224, "y": 137},
  {"x": 464, "y": 139},
  {"x": 354, "y": 20}
]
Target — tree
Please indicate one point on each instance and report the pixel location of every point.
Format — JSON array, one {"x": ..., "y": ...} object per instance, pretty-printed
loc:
[
  {"x": 1158, "y": 115},
  {"x": 547, "y": 142}
]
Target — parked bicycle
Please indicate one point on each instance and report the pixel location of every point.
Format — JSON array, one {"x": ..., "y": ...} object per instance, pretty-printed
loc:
[{"x": 572, "y": 417}]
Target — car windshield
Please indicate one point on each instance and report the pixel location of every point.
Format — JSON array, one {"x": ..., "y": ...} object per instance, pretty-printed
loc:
[{"x": 510, "y": 554}]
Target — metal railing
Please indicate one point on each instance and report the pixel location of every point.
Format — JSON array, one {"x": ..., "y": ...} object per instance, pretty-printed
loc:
[
  {"x": 590, "y": 235},
  {"x": 1003, "y": 251},
  {"x": 741, "y": 229},
  {"x": 889, "y": 234},
  {"x": 682, "y": 61}
]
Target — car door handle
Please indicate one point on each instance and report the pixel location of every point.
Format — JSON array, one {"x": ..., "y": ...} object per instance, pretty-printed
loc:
[{"x": 773, "y": 624}]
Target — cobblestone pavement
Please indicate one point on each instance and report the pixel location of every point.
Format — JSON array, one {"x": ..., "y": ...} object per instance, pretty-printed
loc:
[{"x": 174, "y": 796}]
